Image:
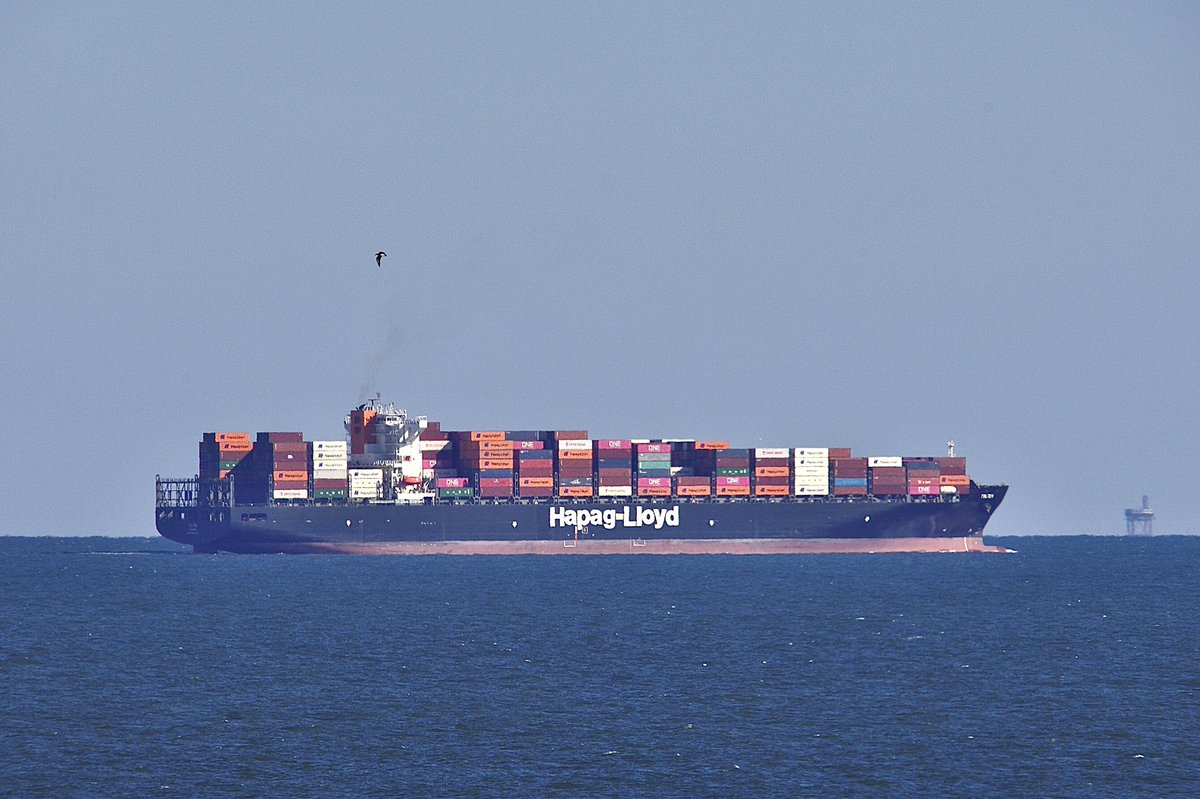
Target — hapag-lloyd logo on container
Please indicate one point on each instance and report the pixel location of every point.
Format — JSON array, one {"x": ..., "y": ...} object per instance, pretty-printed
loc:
[{"x": 627, "y": 516}]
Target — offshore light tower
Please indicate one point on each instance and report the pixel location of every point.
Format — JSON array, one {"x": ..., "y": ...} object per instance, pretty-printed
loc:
[{"x": 1140, "y": 521}]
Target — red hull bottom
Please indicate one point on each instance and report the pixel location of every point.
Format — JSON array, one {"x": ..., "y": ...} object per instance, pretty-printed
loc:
[{"x": 667, "y": 546}]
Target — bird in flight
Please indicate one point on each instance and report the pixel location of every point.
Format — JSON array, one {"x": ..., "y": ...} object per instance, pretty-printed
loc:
[{"x": 379, "y": 258}]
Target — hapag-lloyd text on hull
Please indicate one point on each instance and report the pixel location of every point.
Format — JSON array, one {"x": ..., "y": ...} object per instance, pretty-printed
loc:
[{"x": 610, "y": 518}]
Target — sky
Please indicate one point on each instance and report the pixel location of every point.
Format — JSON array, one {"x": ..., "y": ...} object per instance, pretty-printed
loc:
[{"x": 874, "y": 225}]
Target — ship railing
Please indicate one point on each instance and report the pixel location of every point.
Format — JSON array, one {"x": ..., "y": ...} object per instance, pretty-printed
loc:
[{"x": 172, "y": 492}]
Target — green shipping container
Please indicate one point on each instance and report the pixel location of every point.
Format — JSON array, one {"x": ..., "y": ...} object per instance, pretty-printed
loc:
[
  {"x": 229, "y": 465},
  {"x": 454, "y": 493},
  {"x": 329, "y": 493},
  {"x": 733, "y": 472}
]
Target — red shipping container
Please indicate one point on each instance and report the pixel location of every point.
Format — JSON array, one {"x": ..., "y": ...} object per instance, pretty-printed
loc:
[
  {"x": 289, "y": 485},
  {"x": 951, "y": 465},
  {"x": 495, "y": 492},
  {"x": 850, "y": 491},
  {"x": 536, "y": 491},
  {"x": 694, "y": 481},
  {"x": 773, "y": 481},
  {"x": 570, "y": 435},
  {"x": 495, "y": 482},
  {"x": 328, "y": 483},
  {"x": 610, "y": 480}
]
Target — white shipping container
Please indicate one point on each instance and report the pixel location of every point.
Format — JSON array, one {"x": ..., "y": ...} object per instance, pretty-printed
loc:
[
  {"x": 329, "y": 446},
  {"x": 811, "y": 471},
  {"x": 433, "y": 446},
  {"x": 812, "y": 491},
  {"x": 375, "y": 475},
  {"x": 616, "y": 491},
  {"x": 769, "y": 452},
  {"x": 330, "y": 462},
  {"x": 809, "y": 460},
  {"x": 575, "y": 444},
  {"x": 290, "y": 493},
  {"x": 329, "y": 474},
  {"x": 820, "y": 452},
  {"x": 885, "y": 462},
  {"x": 364, "y": 493}
]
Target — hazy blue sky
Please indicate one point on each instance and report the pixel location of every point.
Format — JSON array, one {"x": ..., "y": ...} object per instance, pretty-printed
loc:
[{"x": 876, "y": 225}]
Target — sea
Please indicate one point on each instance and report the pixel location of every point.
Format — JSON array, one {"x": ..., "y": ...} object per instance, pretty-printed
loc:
[{"x": 1069, "y": 668}]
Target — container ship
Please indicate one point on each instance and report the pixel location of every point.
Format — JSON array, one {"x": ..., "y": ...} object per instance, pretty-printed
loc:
[{"x": 400, "y": 484}]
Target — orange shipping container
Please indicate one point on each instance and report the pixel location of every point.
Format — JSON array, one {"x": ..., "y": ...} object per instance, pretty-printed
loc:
[
  {"x": 289, "y": 477},
  {"x": 771, "y": 471},
  {"x": 234, "y": 446},
  {"x": 537, "y": 482},
  {"x": 654, "y": 491},
  {"x": 955, "y": 480},
  {"x": 222, "y": 438},
  {"x": 487, "y": 435},
  {"x": 770, "y": 491},
  {"x": 712, "y": 445},
  {"x": 733, "y": 491},
  {"x": 485, "y": 446},
  {"x": 694, "y": 491},
  {"x": 575, "y": 491},
  {"x": 574, "y": 455}
]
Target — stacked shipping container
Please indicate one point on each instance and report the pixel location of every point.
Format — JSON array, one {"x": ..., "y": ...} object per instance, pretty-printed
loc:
[
  {"x": 772, "y": 475},
  {"x": 810, "y": 471},
  {"x": 329, "y": 469},
  {"x": 281, "y": 460},
  {"x": 653, "y": 478},
  {"x": 566, "y": 463},
  {"x": 614, "y": 467},
  {"x": 574, "y": 454}
]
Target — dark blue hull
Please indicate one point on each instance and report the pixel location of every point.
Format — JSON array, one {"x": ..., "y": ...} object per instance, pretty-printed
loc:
[{"x": 667, "y": 525}]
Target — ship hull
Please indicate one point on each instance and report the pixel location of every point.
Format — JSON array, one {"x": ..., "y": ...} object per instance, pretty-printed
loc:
[{"x": 634, "y": 526}]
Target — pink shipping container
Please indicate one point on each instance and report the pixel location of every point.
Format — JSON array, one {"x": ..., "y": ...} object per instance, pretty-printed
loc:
[
  {"x": 529, "y": 445},
  {"x": 921, "y": 491},
  {"x": 453, "y": 482},
  {"x": 654, "y": 482},
  {"x": 654, "y": 449},
  {"x": 613, "y": 443},
  {"x": 733, "y": 481}
]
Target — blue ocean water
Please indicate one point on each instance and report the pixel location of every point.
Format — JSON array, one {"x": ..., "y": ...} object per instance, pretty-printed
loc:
[{"x": 1069, "y": 669}]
